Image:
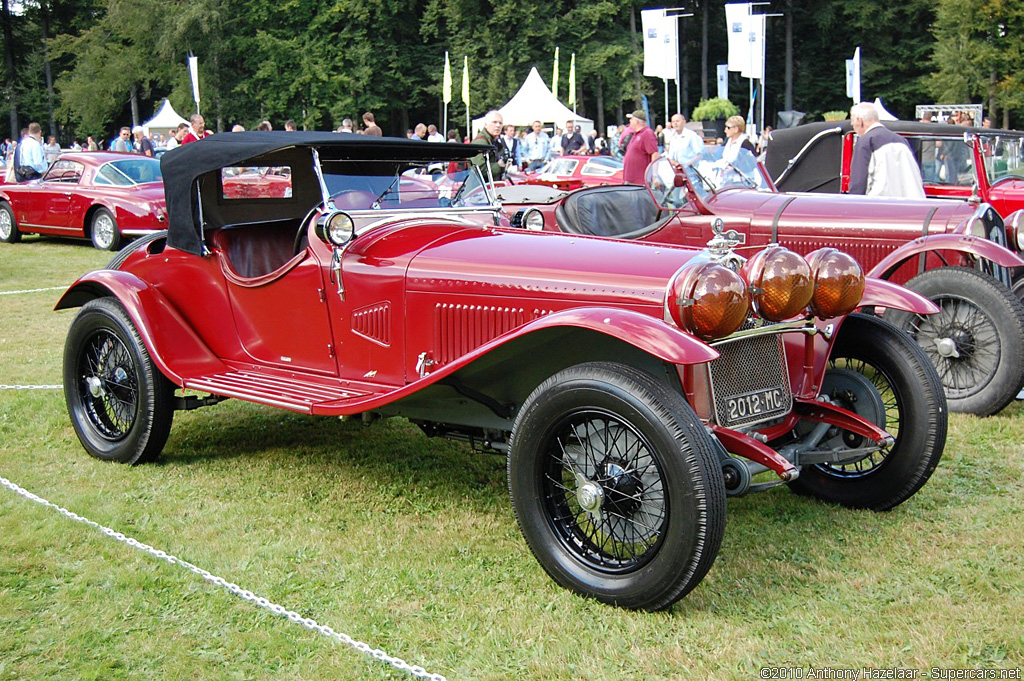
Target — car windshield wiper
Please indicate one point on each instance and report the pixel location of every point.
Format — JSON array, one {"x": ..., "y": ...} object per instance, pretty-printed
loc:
[{"x": 376, "y": 202}]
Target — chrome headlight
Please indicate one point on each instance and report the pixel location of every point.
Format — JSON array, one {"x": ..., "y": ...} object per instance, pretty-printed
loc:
[
  {"x": 336, "y": 227},
  {"x": 978, "y": 228},
  {"x": 1014, "y": 227},
  {"x": 533, "y": 220},
  {"x": 708, "y": 300},
  {"x": 838, "y": 283}
]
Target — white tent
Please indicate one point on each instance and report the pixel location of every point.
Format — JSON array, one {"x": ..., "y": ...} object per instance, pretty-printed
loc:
[
  {"x": 883, "y": 113},
  {"x": 166, "y": 119},
  {"x": 534, "y": 102}
]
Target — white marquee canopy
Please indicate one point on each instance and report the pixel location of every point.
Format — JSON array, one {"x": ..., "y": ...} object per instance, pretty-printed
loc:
[
  {"x": 164, "y": 119},
  {"x": 535, "y": 102}
]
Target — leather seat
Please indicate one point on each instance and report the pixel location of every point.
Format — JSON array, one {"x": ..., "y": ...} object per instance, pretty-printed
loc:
[{"x": 617, "y": 211}]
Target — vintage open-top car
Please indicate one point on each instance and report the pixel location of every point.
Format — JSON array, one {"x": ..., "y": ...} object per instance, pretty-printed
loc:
[
  {"x": 952, "y": 252},
  {"x": 105, "y": 197},
  {"x": 631, "y": 386}
]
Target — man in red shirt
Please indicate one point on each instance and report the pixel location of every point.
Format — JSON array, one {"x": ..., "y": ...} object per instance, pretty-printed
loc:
[
  {"x": 641, "y": 148},
  {"x": 197, "y": 130}
]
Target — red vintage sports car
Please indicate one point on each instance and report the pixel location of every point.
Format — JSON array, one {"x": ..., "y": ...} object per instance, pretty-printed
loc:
[
  {"x": 631, "y": 386},
  {"x": 952, "y": 252},
  {"x": 102, "y": 196},
  {"x": 573, "y": 172}
]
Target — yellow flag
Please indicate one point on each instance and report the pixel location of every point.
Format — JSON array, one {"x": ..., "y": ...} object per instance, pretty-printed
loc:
[
  {"x": 446, "y": 83},
  {"x": 572, "y": 81},
  {"x": 465, "y": 81},
  {"x": 554, "y": 76}
]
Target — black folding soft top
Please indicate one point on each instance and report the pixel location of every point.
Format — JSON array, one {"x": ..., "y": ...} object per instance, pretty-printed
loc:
[{"x": 184, "y": 166}]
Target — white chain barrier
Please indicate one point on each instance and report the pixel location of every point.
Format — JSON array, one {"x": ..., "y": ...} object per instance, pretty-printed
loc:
[
  {"x": 244, "y": 594},
  {"x": 33, "y": 290},
  {"x": 30, "y": 387}
]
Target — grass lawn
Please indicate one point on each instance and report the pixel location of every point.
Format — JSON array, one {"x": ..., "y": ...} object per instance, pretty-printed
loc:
[{"x": 410, "y": 544}]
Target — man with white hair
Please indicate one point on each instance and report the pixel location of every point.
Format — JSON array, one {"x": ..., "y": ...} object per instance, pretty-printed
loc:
[
  {"x": 488, "y": 136},
  {"x": 883, "y": 162}
]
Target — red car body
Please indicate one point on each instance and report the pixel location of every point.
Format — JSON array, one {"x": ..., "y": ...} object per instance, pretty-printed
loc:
[
  {"x": 575, "y": 171},
  {"x": 908, "y": 242},
  {"x": 77, "y": 194},
  {"x": 615, "y": 376}
]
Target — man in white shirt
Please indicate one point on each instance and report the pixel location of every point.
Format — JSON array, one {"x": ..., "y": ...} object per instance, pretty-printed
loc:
[
  {"x": 433, "y": 135},
  {"x": 685, "y": 145}
]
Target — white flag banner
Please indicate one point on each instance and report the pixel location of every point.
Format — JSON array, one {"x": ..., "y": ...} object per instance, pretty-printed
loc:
[
  {"x": 723, "y": 81},
  {"x": 193, "y": 71},
  {"x": 736, "y": 14},
  {"x": 669, "y": 45},
  {"x": 656, "y": 53},
  {"x": 853, "y": 77},
  {"x": 754, "y": 30}
]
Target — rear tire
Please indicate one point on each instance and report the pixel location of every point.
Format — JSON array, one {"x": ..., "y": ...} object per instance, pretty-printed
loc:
[
  {"x": 9, "y": 232},
  {"x": 121, "y": 406},
  {"x": 615, "y": 486},
  {"x": 104, "y": 232},
  {"x": 976, "y": 341},
  {"x": 901, "y": 394}
]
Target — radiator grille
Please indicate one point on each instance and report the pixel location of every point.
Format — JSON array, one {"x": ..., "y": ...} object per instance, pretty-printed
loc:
[{"x": 741, "y": 376}]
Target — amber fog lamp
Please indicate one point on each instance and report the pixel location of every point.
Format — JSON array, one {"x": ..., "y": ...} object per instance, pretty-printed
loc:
[
  {"x": 781, "y": 285},
  {"x": 709, "y": 300},
  {"x": 838, "y": 283}
]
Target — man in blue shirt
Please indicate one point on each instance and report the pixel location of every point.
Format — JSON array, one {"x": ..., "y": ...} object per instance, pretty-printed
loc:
[
  {"x": 30, "y": 162},
  {"x": 536, "y": 148},
  {"x": 685, "y": 146}
]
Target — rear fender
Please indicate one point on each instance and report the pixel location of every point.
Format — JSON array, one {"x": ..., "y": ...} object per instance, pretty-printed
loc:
[
  {"x": 882, "y": 293},
  {"x": 179, "y": 352},
  {"x": 962, "y": 243}
]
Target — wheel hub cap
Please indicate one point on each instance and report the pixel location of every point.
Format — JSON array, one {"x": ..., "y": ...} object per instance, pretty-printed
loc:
[
  {"x": 947, "y": 347},
  {"x": 95, "y": 385},
  {"x": 590, "y": 496}
]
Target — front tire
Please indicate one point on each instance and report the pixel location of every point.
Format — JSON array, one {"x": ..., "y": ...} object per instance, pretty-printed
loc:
[
  {"x": 121, "y": 406},
  {"x": 877, "y": 372},
  {"x": 104, "y": 232},
  {"x": 9, "y": 232},
  {"x": 615, "y": 486},
  {"x": 976, "y": 341}
]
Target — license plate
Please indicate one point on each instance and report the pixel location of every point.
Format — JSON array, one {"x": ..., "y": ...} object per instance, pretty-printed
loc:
[{"x": 743, "y": 407}]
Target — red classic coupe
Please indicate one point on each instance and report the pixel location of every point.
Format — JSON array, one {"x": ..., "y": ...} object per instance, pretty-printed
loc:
[
  {"x": 573, "y": 172},
  {"x": 953, "y": 252},
  {"x": 631, "y": 386},
  {"x": 101, "y": 196}
]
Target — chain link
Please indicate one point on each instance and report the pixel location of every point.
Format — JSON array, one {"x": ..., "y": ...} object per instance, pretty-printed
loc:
[
  {"x": 244, "y": 594},
  {"x": 33, "y": 290},
  {"x": 30, "y": 387}
]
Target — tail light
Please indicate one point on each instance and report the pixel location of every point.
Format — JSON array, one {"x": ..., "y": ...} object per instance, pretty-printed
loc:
[
  {"x": 780, "y": 283},
  {"x": 838, "y": 283},
  {"x": 708, "y": 300}
]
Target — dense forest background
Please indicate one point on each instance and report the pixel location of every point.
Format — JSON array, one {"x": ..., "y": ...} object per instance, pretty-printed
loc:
[{"x": 88, "y": 66}]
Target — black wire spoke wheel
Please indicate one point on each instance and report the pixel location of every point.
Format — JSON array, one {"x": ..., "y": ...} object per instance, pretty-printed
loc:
[
  {"x": 975, "y": 341},
  {"x": 121, "y": 406},
  {"x": 109, "y": 385},
  {"x": 604, "y": 491},
  {"x": 883, "y": 376},
  {"x": 872, "y": 396},
  {"x": 616, "y": 486},
  {"x": 963, "y": 344}
]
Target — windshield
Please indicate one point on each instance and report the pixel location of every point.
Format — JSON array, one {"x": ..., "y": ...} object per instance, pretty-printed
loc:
[
  {"x": 376, "y": 185},
  {"x": 1002, "y": 156},
  {"x": 129, "y": 171},
  {"x": 715, "y": 169}
]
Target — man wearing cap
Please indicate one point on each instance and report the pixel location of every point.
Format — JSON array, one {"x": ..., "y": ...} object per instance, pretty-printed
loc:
[{"x": 641, "y": 148}]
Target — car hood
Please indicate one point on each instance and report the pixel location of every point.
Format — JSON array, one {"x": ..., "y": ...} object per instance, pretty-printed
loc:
[
  {"x": 505, "y": 263},
  {"x": 803, "y": 212}
]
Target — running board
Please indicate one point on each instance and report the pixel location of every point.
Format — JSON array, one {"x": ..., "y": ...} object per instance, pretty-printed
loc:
[{"x": 286, "y": 392}]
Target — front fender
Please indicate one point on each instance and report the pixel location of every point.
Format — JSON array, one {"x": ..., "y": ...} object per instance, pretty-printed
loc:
[
  {"x": 882, "y": 293},
  {"x": 963, "y": 243},
  {"x": 178, "y": 352}
]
